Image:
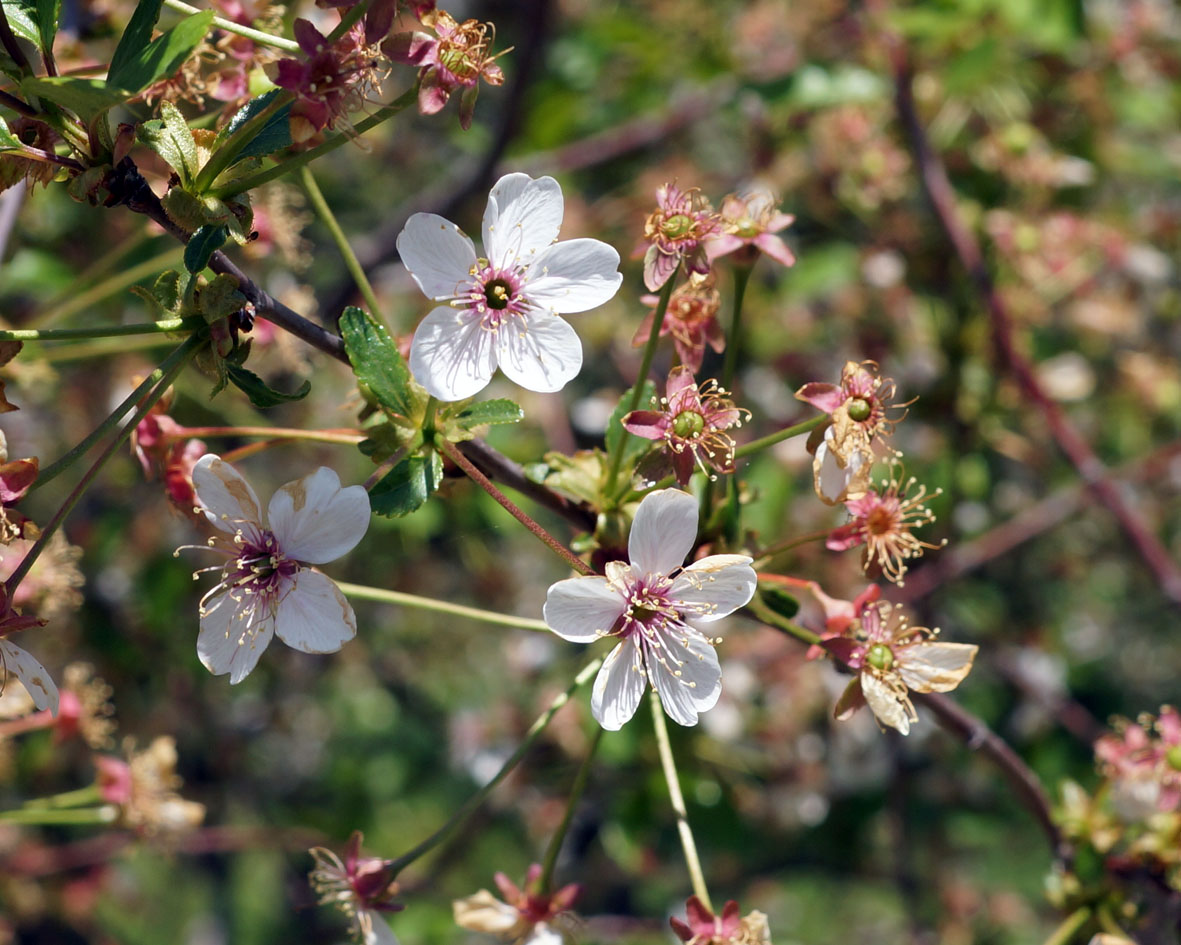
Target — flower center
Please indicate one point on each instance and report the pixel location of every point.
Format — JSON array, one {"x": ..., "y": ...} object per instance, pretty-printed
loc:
[
  {"x": 1173, "y": 757},
  {"x": 259, "y": 568},
  {"x": 498, "y": 293},
  {"x": 495, "y": 294},
  {"x": 879, "y": 521},
  {"x": 747, "y": 228},
  {"x": 859, "y": 409},
  {"x": 880, "y": 657},
  {"x": 677, "y": 226},
  {"x": 688, "y": 424}
]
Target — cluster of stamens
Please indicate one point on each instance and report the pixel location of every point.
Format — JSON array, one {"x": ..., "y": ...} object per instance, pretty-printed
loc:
[
  {"x": 884, "y": 521},
  {"x": 494, "y": 294}
]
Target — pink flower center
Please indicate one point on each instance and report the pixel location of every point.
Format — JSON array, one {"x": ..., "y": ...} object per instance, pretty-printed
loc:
[
  {"x": 649, "y": 608},
  {"x": 259, "y": 570},
  {"x": 495, "y": 294}
]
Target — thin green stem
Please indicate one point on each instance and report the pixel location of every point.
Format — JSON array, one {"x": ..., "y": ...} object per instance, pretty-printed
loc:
[
  {"x": 179, "y": 359},
  {"x": 734, "y": 341},
  {"x": 103, "y": 348},
  {"x": 76, "y": 798},
  {"x": 104, "y": 263},
  {"x": 472, "y": 803},
  {"x": 351, "y": 263},
  {"x": 766, "y": 554},
  {"x": 107, "y": 331},
  {"x": 352, "y": 15},
  {"x": 258, "y": 36},
  {"x": 361, "y": 592},
  {"x": 448, "y": 449},
  {"x": 342, "y": 437},
  {"x": 1108, "y": 923},
  {"x": 785, "y": 434},
  {"x": 1070, "y": 926},
  {"x": 576, "y": 789},
  {"x": 669, "y": 766},
  {"x": 107, "y": 814},
  {"x": 645, "y": 367},
  {"x": 772, "y": 619},
  {"x": 53, "y": 470},
  {"x": 385, "y": 113},
  {"x": 108, "y": 287}
]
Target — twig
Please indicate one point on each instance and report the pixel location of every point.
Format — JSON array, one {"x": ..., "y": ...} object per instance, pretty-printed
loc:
[{"x": 942, "y": 198}]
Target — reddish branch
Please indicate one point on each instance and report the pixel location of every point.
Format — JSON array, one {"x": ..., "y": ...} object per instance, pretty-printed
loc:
[{"x": 942, "y": 197}]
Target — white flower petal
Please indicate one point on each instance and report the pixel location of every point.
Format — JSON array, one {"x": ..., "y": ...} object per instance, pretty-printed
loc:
[
  {"x": 230, "y": 504},
  {"x": 522, "y": 218},
  {"x": 313, "y": 615},
  {"x": 374, "y": 929},
  {"x": 663, "y": 531},
  {"x": 891, "y": 707},
  {"x": 227, "y": 643},
  {"x": 452, "y": 355},
  {"x": 714, "y": 587},
  {"x": 618, "y": 686},
  {"x": 542, "y": 934},
  {"x": 483, "y": 912},
  {"x": 437, "y": 254},
  {"x": 540, "y": 353},
  {"x": 33, "y": 676},
  {"x": 315, "y": 520},
  {"x": 582, "y": 609},
  {"x": 685, "y": 672},
  {"x": 935, "y": 667},
  {"x": 574, "y": 276}
]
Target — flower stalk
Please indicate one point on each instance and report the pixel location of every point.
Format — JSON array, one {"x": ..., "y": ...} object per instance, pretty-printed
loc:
[
  {"x": 734, "y": 341},
  {"x": 576, "y": 789},
  {"x": 402, "y": 599},
  {"x": 754, "y": 446}
]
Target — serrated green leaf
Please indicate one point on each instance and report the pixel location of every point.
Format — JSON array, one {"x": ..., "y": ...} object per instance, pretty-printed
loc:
[
  {"x": 137, "y": 36},
  {"x": 47, "y": 14},
  {"x": 273, "y": 136},
  {"x": 169, "y": 136},
  {"x": 87, "y": 98},
  {"x": 202, "y": 244},
  {"x": 376, "y": 360},
  {"x": 486, "y": 412},
  {"x": 616, "y": 437},
  {"x": 162, "y": 56},
  {"x": 780, "y": 601},
  {"x": 262, "y": 396},
  {"x": 407, "y": 486},
  {"x": 22, "y": 19}
]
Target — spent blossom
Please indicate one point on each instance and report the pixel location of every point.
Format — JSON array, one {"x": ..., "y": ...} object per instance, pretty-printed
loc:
[
  {"x": 749, "y": 223},
  {"x": 646, "y": 605},
  {"x": 691, "y": 318},
  {"x": 266, "y": 587},
  {"x": 16, "y": 663},
  {"x": 1144, "y": 761},
  {"x": 677, "y": 231},
  {"x": 692, "y": 421},
  {"x": 893, "y": 659},
  {"x": 883, "y": 521},
  {"x": 144, "y": 788},
  {"x": 16, "y": 478},
  {"x": 362, "y": 887},
  {"x": 456, "y": 57},
  {"x": 525, "y": 916},
  {"x": 701, "y": 927},
  {"x": 502, "y": 309},
  {"x": 855, "y": 437}
]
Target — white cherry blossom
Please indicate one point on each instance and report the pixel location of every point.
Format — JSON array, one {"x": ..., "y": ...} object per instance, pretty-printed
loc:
[
  {"x": 265, "y": 587},
  {"x": 502, "y": 309},
  {"x": 646, "y": 605}
]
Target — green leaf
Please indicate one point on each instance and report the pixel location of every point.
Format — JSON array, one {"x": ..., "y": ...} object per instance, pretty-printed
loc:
[
  {"x": 781, "y": 602},
  {"x": 273, "y": 136},
  {"x": 47, "y": 14},
  {"x": 163, "y": 56},
  {"x": 256, "y": 389},
  {"x": 376, "y": 360},
  {"x": 87, "y": 98},
  {"x": 22, "y": 19},
  {"x": 489, "y": 412},
  {"x": 170, "y": 137},
  {"x": 136, "y": 37},
  {"x": 8, "y": 141},
  {"x": 633, "y": 446},
  {"x": 202, "y": 244},
  {"x": 407, "y": 486}
]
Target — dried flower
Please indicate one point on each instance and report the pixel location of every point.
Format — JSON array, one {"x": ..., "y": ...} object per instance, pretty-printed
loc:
[
  {"x": 702, "y": 927},
  {"x": 266, "y": 588},
  {"x": 749, "y": 224},
  {"x": 16, "y": 478},
  {"x": 85, "y": 707},
  {"x": 892, "y": 659},
  {"x": 527, "y": 916},
  {"x": 677, "y": 231},
  {"x": 883, "y": 522},
  {"x": 145, "y": 789},
  {"x": 852, "y": 442},
  {"x": 361, "y": 887},
  {"x": 691, "y": 318},
  {"x": 50, "y": 588},
  {"x": 646, "y": 605},
  {"x": 456, "y": 57},
  {"x": 1144, "y": 761},
  {"x": 692, "y": 421},
  {"x": 503, "y": 310}
]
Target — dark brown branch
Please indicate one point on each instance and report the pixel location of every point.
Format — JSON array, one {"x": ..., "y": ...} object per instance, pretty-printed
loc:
[
  {"x": 9, "y": 100},
  {"x": 1092, "y": 471}
]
